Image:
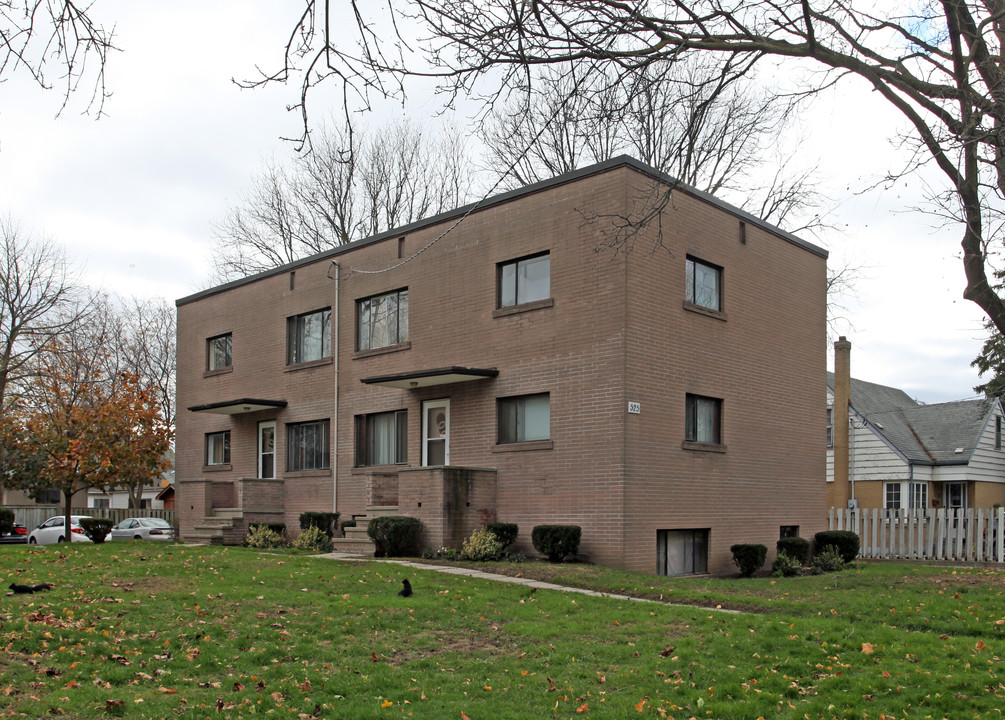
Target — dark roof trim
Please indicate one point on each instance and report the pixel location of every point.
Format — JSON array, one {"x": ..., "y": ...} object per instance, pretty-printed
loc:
[
  {"x": 239, "y": 406},
  {"x": 426, "y": 378},
  {"x": 606, "y": 166}
]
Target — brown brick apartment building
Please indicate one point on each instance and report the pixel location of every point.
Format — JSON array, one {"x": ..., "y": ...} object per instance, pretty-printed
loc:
[{"x": 504, "y": 363}]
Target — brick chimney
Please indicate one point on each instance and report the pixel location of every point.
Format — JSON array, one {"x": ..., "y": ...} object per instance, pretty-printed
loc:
[{"x": 842, "y": 401}]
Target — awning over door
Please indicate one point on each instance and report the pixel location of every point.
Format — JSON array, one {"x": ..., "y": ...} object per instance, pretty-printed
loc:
[
  {"x": 427, "y": 378},
  {"x": 238, "y": 407}
]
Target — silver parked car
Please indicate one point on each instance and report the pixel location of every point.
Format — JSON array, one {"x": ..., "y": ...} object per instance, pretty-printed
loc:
[
  {"x": 143, "y": 528},
  {"x": 53, "y": 530}
]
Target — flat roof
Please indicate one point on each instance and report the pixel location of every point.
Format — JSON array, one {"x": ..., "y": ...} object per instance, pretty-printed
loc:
[{"x": 616, "y": 162}]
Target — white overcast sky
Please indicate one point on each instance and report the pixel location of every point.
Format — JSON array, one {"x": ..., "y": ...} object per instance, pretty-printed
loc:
[{"x": 134, "y": 196}]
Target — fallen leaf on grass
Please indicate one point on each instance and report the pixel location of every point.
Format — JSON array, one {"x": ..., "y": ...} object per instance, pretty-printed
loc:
[
  {"x": 868, "y": 648},
  {"x": 551, "y": 685},
  {"x": 640, "y": 706},
  {"x": 585, "y": 707},
  {"x": 114, "y": 703}
]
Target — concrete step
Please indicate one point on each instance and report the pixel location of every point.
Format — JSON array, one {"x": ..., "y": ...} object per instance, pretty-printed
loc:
[
  {"x": 373, "y": 511},
  {"x": 353, "y": 545},
  {"x": 231, "y": 513}
]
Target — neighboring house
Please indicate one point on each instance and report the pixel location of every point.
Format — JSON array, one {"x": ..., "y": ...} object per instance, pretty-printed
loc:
[
  {"x": 501, "y": 362},
  {"x": 150, "y": 496},
  {"x": 903, "y": 454}
]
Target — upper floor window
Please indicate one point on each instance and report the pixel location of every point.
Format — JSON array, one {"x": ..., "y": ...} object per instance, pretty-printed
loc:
[
  {"x": 308, "y": 445},
  {"x": 309, "y": 336},
  {"x": 704, "y": 284},
  {"x": 704, "y": 420},
  {"x": 524, "y": 418},
  {"x": 219, "y": 351},
  {"x": 830, "y": 427},
  {"x": 524, "y": 280},
  {"x": 382, "y": 438},
  {"x": 998, "y": 432},
  {"x": 218, "y": 448},
  {"x": 382, "y": 320}
]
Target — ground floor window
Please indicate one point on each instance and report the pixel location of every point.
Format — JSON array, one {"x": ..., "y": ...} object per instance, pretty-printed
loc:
[
  {"x": 788, "y": 531},
  {"x": 903, "y": 495},
  {"x": 218, "y": 448},
  {"x": 682, "y": 552},
  {"x": 382, "y": 438},
  {"x": 524, "y": 418},
  {"x": 891, "y": 496},
  {"x": 100, "y": 502},
  {"x": 307, "y": 446}
]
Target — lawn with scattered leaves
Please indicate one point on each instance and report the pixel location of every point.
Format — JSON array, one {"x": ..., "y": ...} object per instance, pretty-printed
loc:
[{"x": 148, "y": 630}]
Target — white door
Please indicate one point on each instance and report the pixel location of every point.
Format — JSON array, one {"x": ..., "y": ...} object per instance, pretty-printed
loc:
[
  {"x": 436, "y": 432},
  {"x": 267, "y": 449}
]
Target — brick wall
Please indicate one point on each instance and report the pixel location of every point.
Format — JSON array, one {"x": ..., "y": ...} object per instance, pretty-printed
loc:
[{"x": 614, "y": 331}]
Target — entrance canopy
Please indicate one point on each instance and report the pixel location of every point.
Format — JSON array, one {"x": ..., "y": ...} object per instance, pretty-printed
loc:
[
  {"x": 238, "y": 407},
  {"x": 426, "y": 378}
]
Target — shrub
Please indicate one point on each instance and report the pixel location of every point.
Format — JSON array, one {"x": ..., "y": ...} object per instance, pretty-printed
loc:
[
  {"x": 6, "y": 521},
  {"x": 785, "y": 565},
  {"x": 314, "y": 539},
  {"x": 261, "y": 535},
  {"x": 481, "y": 546},
  {"x": 796, "y": 548},
  {"x": 557, "y": 542},
  {"x": 96, "y": 529},
  {"x": 505, "y": 533},
  {"x": 326, "y": 522},
  {"x": 749, "y": 557},
  {"x": 829, "y": 559},
  {"x": 394, "y": 535},
  {"x": 844, "y": 541}
]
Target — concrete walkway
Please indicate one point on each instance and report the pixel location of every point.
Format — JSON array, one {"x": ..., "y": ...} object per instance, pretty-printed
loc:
[{"x": 527, "y": 582}]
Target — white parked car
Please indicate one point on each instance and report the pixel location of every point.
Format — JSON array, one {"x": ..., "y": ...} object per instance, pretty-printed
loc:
[
  {"x": 143, "y": 528},
  {"x": 53, "y": 530}
]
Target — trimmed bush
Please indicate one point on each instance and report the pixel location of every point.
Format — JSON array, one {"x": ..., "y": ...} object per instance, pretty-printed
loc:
[
  {"x": 394, "y": 535},
  {"x": 96, "y": 529},
  {"x": 749, "y": 557},
  {"x": 505, "y": 533},
  {"x": 784, "y": 565},
  {"x": 483, "y": 545},
  {"x": 6, "y": 521},
  {"x": 326, "y": 522},
  {"x": 844, "y": 541},
  {"x": 314, "y": 539},
  {"x": 796, "y": 548},
  {"x": 261, "y": 535},
  {"x": 557, "y": 542},
  {"x": 828, "y": 560}
]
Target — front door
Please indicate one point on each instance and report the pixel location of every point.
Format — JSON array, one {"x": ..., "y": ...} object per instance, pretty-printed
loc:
[
  {"x": 436, "y": 432},
  {"x": 267, "y": 449}
]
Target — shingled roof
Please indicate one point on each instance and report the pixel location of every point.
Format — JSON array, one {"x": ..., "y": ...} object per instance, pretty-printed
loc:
[{"x": 923, "y": 434}]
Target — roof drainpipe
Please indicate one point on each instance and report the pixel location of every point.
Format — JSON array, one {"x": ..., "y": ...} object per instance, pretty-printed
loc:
[
  {"x": 842, "y": 417},
  {"x": 335, "y": 357}
]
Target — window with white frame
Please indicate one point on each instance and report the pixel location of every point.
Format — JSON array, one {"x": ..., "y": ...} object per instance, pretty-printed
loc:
[
  {"x": 308, "y": 445},
  {"x": 382, "y": 438},
  {"x": 703, "y": 285},
  {"x": 703, "y": 420},
  {"x": 218, "y": 448},
  {"x": 309, "y": 336},
  {"x": 919, "y": 495},
  {"x": 830, "y": 427},
  {"x": 998, "y": 432},
  {"x": 891, "y": 496},
  {"x": 382, "y": 320},
  {"x": 524, "y": 280},
  {"x": 524, "y": 418},
  {"x": 219, "y": 351}
]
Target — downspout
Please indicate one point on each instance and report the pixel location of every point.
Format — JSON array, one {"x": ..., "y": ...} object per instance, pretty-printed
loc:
[
  {"x": 335, "y": 359},
  {"x": 851, "y": 460}
]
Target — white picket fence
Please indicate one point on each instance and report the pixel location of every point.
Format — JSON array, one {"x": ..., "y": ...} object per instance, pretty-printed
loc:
[{"x": 959, "y": 534}]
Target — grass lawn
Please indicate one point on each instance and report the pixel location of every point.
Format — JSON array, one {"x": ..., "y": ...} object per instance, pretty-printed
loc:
[{"x": 136, "y": 629}]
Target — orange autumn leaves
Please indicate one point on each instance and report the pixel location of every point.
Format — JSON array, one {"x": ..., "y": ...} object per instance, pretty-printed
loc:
[{"x": 80, "y": 426}]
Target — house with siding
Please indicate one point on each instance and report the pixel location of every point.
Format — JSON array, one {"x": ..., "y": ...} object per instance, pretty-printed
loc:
[
  {"x": 514, "y": 361},
  {"x": 903, "y": 454}
]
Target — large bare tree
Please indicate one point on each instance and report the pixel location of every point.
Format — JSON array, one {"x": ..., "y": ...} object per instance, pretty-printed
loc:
[
  {"x": 42, "y": 38},
  {"x": 938, "y": 63},
  {"x": 40, "y": 299},
  {"x": 352, "y": 183},
  {"x": 698, "y": 121}
]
